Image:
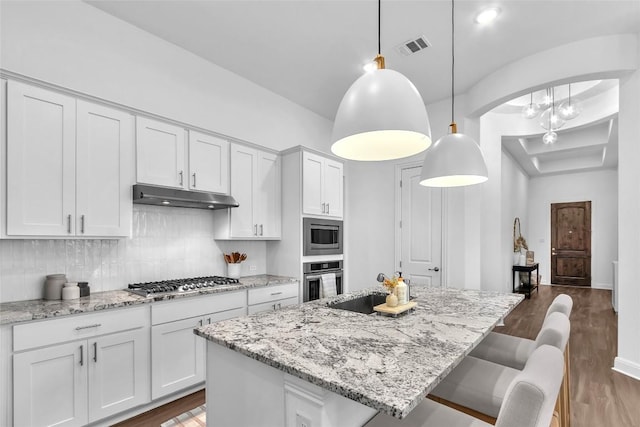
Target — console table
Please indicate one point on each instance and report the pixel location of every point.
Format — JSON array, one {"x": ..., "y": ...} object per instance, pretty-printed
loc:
[{"x": 525, "y": 289}]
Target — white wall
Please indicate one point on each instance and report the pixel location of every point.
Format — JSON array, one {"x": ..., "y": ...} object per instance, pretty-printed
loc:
[
  {"x": 515, "y": 196},
  {"x": 74, "y": 45},
  {"x": 166, "y": 243},
  {"x": 628, "y": 360},
  {"x": 599, "y": 187}
]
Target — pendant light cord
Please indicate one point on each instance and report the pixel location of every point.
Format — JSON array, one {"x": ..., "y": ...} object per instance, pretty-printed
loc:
[
  {"x": 453, "y": 62},
  {"x": 379, "y": 50}
]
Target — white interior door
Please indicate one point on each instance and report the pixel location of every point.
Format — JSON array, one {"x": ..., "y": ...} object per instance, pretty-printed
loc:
[{"x": 420, "y": 230}]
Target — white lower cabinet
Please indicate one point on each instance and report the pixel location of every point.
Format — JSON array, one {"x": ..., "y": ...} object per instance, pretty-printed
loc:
[
  {"x": 76, "y": 370},
  {"x": 272, "y": 297},
  {"x": 82, "y": 381},
  {"x": 177, "y": 354}
]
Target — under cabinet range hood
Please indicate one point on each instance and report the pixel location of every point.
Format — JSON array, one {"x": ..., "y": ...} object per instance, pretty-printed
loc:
[{"x": 151, "y": 195}]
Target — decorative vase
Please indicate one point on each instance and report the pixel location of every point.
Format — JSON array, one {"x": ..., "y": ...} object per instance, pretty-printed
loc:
[
  {"x": 516, "y": 258},
  {"x": 392, "y": 300},
  {"x": 233, "y": 270},
  {"x": 523, "y": 259}
]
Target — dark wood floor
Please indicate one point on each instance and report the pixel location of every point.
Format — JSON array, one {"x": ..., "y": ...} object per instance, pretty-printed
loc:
[
  {"x": 164, "y": 413},
  {"x": 600, "y": 397}
]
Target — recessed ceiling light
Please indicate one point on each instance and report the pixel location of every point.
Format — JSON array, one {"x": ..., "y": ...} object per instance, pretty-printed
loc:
[
  {"x": 166, "y": 202},
  {"x": 488, "y": 15}
]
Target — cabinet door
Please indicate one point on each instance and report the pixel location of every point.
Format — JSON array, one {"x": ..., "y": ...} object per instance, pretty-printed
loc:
[
  {"x": 104, "y": 171},
  {"x": 332, "y": 189},
  {"x": 41, "y": 144},
  {"x": 50, "y": 386},
  {"x": 312, "y": 177},
  {"x": 208, "y": 163},
  {"x": 119, "y": 373},
  {"x": 243, "y": 182},
  {"x": 177, "y": 356},
  {"x": 160, "y": 153},
  {"x": 269, "y": 196}
]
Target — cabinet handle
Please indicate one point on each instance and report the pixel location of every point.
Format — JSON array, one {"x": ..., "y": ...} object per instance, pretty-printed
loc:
[
  {"x": 323, "y": 207},
  {"x": 95, "y": 325},
  {"x": 82, "y": 224},
  {"x": 255, "y": 229},
  {"x": 181, "y": 177},
  {"x": 209, "y": 321},
  {"x": 261, "y": 229},
  {"x": 95, "y": 352},
  {"x": 274, "y": 307},
  {"x": 273, "y": 294},
  {"x": 194, "y": 180},
  {"x": 69, "y": 223},
  {"x": 81, "y": 355},
  {"x": 200, "y": 322},
  {"x": 279, "y": 306},
  {"x": 328, "y": 208}
]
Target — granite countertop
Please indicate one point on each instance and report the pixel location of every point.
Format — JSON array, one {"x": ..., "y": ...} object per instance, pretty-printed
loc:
[
  {"x": 389, "y": 364},
  {"x": 22, "y": 311}
]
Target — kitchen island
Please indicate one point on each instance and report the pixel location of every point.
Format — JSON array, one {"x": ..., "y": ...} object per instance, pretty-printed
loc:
[{"x": 318, "y": 366}]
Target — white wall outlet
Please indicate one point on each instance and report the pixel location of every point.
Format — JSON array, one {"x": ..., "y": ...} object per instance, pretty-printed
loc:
[
  {"x": 252, "y": 268},
  {"x": 302, "y": 421}
]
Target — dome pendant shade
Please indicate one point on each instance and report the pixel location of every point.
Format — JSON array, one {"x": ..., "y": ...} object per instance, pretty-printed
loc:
[
  {"x": 381, "y": 117},
  {"x": 454, "y": 160}
]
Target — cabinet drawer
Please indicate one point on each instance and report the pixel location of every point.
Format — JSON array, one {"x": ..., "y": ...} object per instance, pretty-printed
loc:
[
  {"x": 48, "y": 332},
  {"x": 172, "y": 310},
  {"x": 270, "y": 306},
  {"x": 272, "y": 293}
]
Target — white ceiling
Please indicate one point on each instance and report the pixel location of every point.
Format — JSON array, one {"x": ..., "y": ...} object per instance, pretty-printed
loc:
[{"x": 310, "y": 51}]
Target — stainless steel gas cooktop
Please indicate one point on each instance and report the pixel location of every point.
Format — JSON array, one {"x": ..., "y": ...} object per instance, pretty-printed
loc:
[{"x": 179, "y": 285}]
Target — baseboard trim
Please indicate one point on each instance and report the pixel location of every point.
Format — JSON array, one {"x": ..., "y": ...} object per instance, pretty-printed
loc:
[
  {"x": 627, "y": 367},
  {"x": 607, "y": 286}
]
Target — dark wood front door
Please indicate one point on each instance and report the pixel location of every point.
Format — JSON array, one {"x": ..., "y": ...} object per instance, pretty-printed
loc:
[{"x": 571, "y": 243}]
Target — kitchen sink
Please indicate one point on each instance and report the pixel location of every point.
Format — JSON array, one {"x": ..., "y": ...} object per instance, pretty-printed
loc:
[{"x": 363, "y": 304}]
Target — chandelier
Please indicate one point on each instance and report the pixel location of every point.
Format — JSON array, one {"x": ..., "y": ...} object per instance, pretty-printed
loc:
[{"x": 552, "y": 117}]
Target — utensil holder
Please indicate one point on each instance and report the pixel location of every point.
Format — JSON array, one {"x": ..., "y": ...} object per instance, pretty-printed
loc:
[{"x": 233, "y": 270}]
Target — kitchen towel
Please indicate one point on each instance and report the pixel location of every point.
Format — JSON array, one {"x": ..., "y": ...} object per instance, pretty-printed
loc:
[{"x": 328, "y": 285}]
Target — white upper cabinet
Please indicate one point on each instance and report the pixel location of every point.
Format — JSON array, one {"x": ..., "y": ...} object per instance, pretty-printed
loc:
[
  {"x": 321, "y": 186},
  {"x": 69, "y": 165},
  {"x": 41, "y": 150},
  {"x": 208, "y": 163},
  {"x": 160, "y": 153},
  {"x": 104, "y": 171},
  {"x": 256, "y": 186}
]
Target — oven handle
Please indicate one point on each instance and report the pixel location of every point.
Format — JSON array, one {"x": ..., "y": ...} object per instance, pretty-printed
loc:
[{"x": 316, "y": 277}]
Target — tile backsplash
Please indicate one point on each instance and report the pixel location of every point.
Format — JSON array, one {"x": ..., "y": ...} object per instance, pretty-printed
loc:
[{"x": 166, "y": 243}]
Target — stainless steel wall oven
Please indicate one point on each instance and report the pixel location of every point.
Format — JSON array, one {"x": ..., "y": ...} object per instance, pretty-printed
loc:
[{"x": 313, "y": 272}]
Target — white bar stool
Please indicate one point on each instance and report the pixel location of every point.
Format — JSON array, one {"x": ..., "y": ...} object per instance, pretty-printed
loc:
[{"x": 528, "y": 402}]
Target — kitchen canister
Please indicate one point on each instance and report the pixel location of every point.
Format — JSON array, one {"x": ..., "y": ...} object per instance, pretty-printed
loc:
[
  {"x": 70, "y": 291},
  {"x": 85, "y": 291},
  {"x": 53, "y": 286},
  {"x": 233, "y": 270}
]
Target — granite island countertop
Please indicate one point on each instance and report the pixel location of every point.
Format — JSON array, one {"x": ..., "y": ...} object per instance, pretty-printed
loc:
[
  {"x": 389, "y": 364},
  {"x": 23, "y": 311}
]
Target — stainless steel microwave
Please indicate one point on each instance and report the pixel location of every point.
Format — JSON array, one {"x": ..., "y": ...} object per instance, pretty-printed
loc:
[{"x": 322, "y": 236}]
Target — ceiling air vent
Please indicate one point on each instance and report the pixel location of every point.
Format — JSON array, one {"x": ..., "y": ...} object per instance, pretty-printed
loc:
[{"x": 413, "y": 46}]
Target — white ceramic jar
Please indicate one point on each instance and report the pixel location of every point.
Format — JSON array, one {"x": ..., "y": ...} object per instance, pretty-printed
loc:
[
  {"x": 70, "y": 291},
  {"x": 53, "y": 286}
]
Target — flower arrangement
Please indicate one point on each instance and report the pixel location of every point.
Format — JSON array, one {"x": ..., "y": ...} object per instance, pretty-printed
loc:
[
  {"x": 519, "y": 242},
  {"x": 390, "y": 284}
]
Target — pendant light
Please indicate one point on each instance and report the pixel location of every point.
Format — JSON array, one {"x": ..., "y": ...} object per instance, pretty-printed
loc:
[
  {"x": 531, "y": 110},
  {"x": 455, "y": 159},
  {"x": 550, "y": 137},
  {"x": 569, "y": 109},
  {"x": 381, "y": 117}
]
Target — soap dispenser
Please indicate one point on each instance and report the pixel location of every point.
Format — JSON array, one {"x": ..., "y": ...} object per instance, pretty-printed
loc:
[{"x": 402, "y": 290}]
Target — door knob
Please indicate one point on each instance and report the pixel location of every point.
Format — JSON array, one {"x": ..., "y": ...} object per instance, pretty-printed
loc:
[{"x": 434, "y": 269}]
